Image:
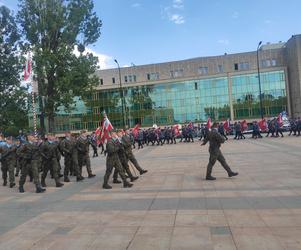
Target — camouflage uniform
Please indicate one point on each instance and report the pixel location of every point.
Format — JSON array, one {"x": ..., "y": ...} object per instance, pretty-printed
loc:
[
  {"x": 49, "y": 152},
  {"x": 215, "y": 141},
  {"x": 124, "y": 162},
  {"x": 113, "y": 162},
  {"x": 83, "y": 155},
  {"x": 126, "y": 142},
  {"x": 8, "y": 163},
  {"x": 31, "y": 158}
]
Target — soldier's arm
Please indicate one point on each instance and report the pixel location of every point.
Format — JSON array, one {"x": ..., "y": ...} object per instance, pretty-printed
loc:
[
  {"x": 111, "y": 148},
  {"x": 43, "y": 149},
  {"x": 219, "y": 138}
]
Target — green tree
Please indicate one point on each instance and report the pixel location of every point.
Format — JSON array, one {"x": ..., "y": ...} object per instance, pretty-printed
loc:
[
  {"x": 52, "y": 30},
  {"x": 13, "y": 113}
]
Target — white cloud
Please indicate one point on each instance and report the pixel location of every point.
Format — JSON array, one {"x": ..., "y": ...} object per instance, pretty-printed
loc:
[
  {"x": 136, "y": 5},
  {"x": 104, "y": 61},
  {"x": 177, "y": 19},
  {"x": 223, "y": 41},
  {"x": 235, "y": 15},
  {"x": 178, "y": 4}
]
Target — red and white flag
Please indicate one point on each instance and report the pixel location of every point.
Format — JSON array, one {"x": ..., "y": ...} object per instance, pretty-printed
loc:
[
  {"x": 27, "y": 70},
  {"x": 209, "y": 123},
  {"x": 227, "y": 125},
  {"x": 176, "y": 129},
  {"x": 106, "y": 128}
]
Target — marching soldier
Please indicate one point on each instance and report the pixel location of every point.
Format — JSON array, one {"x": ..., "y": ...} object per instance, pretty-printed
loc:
[
  {"x": 83, "y": 154},
  {"x": 113, "y": 162},
  {"x": 8, "y": 162},
  {"x": 30, "y": 154},
  {"x": 49, "y": 152},
  {"x": 126, "y": 142},
  {"x": 215, "y": 141},
  {"x": 123, "y": 160},
  {"x": 69, "y": 150}
]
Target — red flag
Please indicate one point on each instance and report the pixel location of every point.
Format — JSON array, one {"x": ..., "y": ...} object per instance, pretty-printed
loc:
[
  {"x": 27, "y": 70},
  {"x": 98, "y": 133},
  {"x": 263, "y": 125},
  {"x": 244, "y": 125},
  {"x": 106, "y": 128},
  {"x": 136, "y": 130},
  {"x": 209, "y": 123},
  {"x": 227, "y": 125},
  {"x": 279, "y": 120}
]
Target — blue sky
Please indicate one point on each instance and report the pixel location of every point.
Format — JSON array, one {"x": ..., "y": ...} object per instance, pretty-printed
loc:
[{"x": 152, "y": 31}]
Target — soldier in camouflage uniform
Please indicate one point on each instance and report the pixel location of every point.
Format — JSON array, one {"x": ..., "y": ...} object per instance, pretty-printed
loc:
[
  {"x": 30, "y": 155},
  {"x": 8, "y": 162},
  {"x": 49, "y": 152},
  {"x": 126, "y": 142},
  {"x": 83, "y": 154},
  {"x": 69, "y": 149},
  {"x": 215, "y": 141},
  {"x": 113, "y": 162},
  {"x": 123, "y": 160}
]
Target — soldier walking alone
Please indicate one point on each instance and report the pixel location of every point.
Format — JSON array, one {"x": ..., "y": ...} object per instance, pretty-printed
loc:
[{"x": 215, "y": 141}]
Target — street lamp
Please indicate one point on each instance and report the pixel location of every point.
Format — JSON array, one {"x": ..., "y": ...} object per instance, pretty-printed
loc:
[
  {"x": 259, "y": 83},
  {"x": 121, "y": 95}
]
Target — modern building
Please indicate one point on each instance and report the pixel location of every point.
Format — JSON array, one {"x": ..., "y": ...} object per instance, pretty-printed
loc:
[{"x": 219, "y": 87}]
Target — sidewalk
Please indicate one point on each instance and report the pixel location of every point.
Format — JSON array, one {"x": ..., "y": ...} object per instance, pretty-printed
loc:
[{"x": 170, "y": 207}]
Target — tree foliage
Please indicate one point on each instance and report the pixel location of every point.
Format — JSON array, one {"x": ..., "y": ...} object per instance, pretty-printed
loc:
[
  {"x": 52, "y": 30},
  {"x": 12, "y": 95}
]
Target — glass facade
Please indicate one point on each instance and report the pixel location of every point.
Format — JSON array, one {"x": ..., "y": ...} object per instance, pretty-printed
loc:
[{"x": 182, "y": 102}]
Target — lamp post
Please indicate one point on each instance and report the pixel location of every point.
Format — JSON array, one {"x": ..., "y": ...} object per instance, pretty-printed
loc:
[
  {"x": 121, "y": 96},
  {"x": 259, "y": 82}
]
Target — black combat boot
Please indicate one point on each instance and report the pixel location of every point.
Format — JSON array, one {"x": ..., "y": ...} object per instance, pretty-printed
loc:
[
  {"x": 106, "y": 186},
  {"x": 116, "y": 181},
  {"x": 127, "y": 184},
  {"x": 133, "y": 178},
  {"x": 59, "y": 184},
  {"x": 210, "y": 178},
  {"x": 91, "y": 175},
  {"x": 11, "y": 185},
  {"x": 21, "y": 189},
  {"x": 43, "y": 183},
  {"x": 4, "y": 182},
  {"x": 80, "y": 178},
  {"x": 143, "y": 171},
  {"x": 66, "y": 179},
  {"x": 39, "y": 189},
  {"x": 230, "y": 174}
]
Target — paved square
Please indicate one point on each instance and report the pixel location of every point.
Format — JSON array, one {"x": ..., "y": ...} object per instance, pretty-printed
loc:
[{"x": 170, "y": 207}]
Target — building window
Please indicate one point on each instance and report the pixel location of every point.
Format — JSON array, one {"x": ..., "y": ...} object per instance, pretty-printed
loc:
[
  {"x": 101, "y": 81},
  {"x": 152, "y": 76},
  {"x": 203, "y": 70},
  {"x": 220, "y": 68},
  {"x": 113, "y": 80},
  {"x": 176, "y": 73},
  {"x": 242, "y": 66},
  {"x": 130, "y": 78},
  {"x": 268, "y": 63}
]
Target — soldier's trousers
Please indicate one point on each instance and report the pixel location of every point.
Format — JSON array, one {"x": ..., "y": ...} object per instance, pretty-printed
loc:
[
  {"x": 217, "y": 156},
  {"x": 33, "y": 167},
  {"x": 75, "y": 164},
  {"x": 109, "y": 168},
  {"x": 51, "y": 165},
  {"x": 10, "y": 168},
  {"x": 125, "y": 167},
  {"x": 132, "y": 159},
  {"x": 84, "y": 159},
  {"x": 68, "y": 165}
]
